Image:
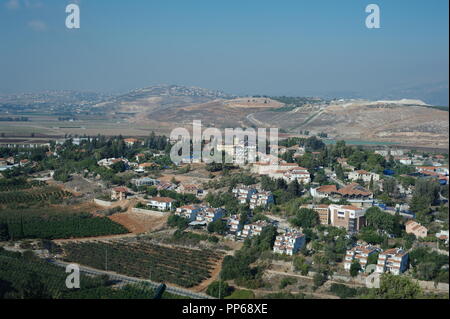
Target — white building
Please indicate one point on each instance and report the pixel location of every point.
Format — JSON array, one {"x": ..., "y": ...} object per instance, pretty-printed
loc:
[
  {"x": 289, "y": 243},
  {"x": 298, "y": 173},
  {"x": 406, "y": 161},
  {"x": 394, "y": 260},
  {"x": 107, "y": 162},
  {"x": 363, "y": 175},
  {"x": 161, "y": 203},
  {"x": 188, "y": 211},
  {"x": 252, "y": 196},
  {"x": 244, "y": 193},
  {"x": 261, "y": 199},
  {"x": 209, "y": 214},
  {"x": 254, "y": 229},
  {"x": 360, "y": 254},
  {"x": 234, "y": 223}
]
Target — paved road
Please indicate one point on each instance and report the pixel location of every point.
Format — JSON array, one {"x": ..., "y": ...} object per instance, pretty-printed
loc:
[{"x": 126, "y": 280}]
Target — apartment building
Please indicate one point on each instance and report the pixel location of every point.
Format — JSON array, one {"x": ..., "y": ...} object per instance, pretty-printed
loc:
[
  {"x": 243, "y": 193},
  {"x": 254, "y": 229},
  {"x": 234, "y": 224},
  {"x": 360, "y": 254},
  {"x": 261, "y": 199},
  {"x": 297, "y": 173},
  {"x": 346, "y": 216},
  {"x": 209, "y": 214},
  {"x": 188, "y": 211},
  {"x": 394, "y": 260},
  {"x": 289, "y": 243},
  {"x": 252, "y": 196}
]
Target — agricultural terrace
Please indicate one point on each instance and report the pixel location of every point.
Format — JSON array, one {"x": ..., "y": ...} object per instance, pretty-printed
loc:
[
  {"x": 56, "y": 223},
  {"x": 176, "y": 265},
  {"x": 19, "y": 272},
  {"x": 20, "y": 191}
]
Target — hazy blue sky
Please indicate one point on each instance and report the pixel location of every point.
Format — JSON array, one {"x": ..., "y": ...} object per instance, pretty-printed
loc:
[{"x": 240, "y": 46}]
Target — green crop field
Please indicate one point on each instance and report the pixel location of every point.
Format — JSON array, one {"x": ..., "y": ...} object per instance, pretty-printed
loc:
[{"x": 181, "y": 266}]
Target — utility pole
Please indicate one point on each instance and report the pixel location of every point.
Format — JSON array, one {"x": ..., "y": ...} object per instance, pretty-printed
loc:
[
  {"x": 220, "y": 285},
  {"x": 106, "y": 259}
]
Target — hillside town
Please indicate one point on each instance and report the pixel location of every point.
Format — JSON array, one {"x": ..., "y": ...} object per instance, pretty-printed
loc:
[{"x": 331, "y": 217}]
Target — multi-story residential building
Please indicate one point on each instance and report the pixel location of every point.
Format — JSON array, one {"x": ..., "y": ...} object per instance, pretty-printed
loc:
[
  {"x": 261, "y": 199},
  {"x": 209, "y": 214},
  {"x": 243, "y": 193},
  {"x": 188, "y": 211},
  {"x": 298, "y": 173},
  {"x": 234, "y": 224},
  {"x": 394, "y": 260},
  {"x": 323, "y": 212},
  {"x": 289, "y": 243},
  {"x": 349, "y": 217},
  {"x": 254, "y": 229},
  {"x": 239, "y": 152},
  {"x": 363, "y": 175},
  {"x": 413, "y": 227},
  {"x": 360, "y": 254},
  {"x": 250, "y": 195},
  {"x": 161, "y": 203}
]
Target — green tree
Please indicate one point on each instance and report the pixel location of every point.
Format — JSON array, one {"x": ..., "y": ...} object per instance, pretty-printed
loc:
[
  {"x": 4, "y": 232},
  {"x": 31, "y": 286},
  {"x": 319, "y": 279},
  {"x": 396, "y": 287},
  {"x": 355, "y": 267},
  {"x": 380, "y": 220},
  {"x": 219, "y": 226},
  {"x": 305, "y": 218},
  {"x": 218, "y": 289}
]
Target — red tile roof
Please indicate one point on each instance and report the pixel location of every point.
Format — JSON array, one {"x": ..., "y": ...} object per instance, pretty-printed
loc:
[{"x": 162, "y": 199}]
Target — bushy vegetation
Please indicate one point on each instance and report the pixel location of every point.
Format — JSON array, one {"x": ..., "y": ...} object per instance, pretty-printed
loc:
[
  {"x": 429, "y": 265},
  {"x": 238, "y": 267},
  {"x": 23, "y": 276},
  {"x": 219, "y": 289},
  {"x": 49, "y": 194}
]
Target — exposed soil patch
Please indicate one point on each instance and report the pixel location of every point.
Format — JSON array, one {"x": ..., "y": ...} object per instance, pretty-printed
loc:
[{"x": 138, "y": 223}]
